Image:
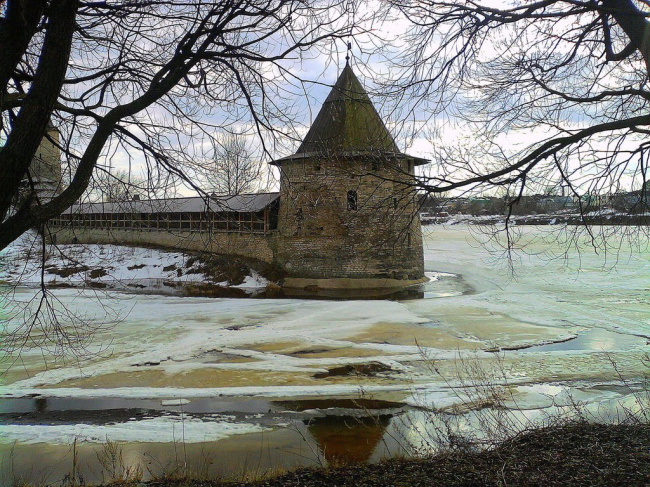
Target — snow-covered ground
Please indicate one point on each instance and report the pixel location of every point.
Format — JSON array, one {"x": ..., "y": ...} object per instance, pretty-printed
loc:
[
  {"x": 109, "y": 265},
  {"x": 568, "y": 323}
]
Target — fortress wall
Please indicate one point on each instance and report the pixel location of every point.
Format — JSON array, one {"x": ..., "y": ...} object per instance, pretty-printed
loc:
[{"x": 254, "y": 245}]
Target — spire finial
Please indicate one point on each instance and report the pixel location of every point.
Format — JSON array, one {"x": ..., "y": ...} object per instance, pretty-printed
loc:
[{"x": 347, "y": 56}]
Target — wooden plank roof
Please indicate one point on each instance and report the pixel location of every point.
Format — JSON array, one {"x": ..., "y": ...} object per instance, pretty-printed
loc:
[{"x": 247, "y": 203}]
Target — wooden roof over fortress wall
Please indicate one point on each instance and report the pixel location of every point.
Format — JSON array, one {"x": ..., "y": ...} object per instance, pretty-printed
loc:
[{"x": 244, "y": 203}]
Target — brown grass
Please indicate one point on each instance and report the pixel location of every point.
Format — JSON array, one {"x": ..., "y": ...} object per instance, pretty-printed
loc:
[{"x": 578, "y": 454}]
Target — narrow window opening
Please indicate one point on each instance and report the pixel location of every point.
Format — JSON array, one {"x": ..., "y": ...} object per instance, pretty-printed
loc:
[
  {"x": 408, "y": 240},
  {"x": 352, "y": 200},
  {"x": 317, "y": 167},
  {"x": 299, "y": 218},
  {"x": 394, "y": 203}
]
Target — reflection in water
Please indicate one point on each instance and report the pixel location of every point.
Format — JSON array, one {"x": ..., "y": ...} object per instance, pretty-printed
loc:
[
  {"x": 392, "y": 294},
  {"x": 596, "y": 339},
  {"x": 340, "y": 440},
  {"x": 361, "y": 403},
  {"x": 351, "y": 435},
  {"x": 162, "y": 287},
  {"x": 344, "y": 440},
  {"x": 337, "y": 430}
]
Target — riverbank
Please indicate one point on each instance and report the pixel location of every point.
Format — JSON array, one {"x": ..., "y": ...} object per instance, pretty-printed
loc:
[
  {"x": 568, "y": 218},
  {"x": 574, "y": 454}
]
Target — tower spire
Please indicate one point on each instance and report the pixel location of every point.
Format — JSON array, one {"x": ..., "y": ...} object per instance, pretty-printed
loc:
[{"x": 347, "y": 55}]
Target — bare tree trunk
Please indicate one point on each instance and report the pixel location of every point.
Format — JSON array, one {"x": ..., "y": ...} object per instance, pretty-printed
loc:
[
  {"x": 35, "y": 113},
  {"x": 634, "y": 24},
  {"x": 16, "y": 30}
]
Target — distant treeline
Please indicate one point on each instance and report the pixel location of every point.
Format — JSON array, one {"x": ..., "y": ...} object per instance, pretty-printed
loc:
[{"x": 630, "y": 203}]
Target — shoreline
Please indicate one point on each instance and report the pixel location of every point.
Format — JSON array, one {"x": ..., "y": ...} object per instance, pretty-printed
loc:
[
  {"x": 569, "y": 219},
  {"x": 567, "y": 455},
  {"x": 563, "y": 454}
]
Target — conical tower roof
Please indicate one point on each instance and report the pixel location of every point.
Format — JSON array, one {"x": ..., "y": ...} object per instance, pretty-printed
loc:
[
  {"x": 348, "y": 125},
  {"x": 348, "y": 121}
]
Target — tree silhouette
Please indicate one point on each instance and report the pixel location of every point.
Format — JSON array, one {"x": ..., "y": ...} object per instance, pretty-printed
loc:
[
  {"x": 551, "y": 93},
  {"x": 149, "y": 77}
]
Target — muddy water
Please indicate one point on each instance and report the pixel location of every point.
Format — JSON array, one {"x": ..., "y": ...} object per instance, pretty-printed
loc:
[
  {"x": 247, "y": 456},
  {"x": 297, "y": 433},
  {"x": 237, "y": 387}
]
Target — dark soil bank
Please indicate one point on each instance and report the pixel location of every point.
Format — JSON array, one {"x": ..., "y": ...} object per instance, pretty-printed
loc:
[{"x": 573, "y": 455}]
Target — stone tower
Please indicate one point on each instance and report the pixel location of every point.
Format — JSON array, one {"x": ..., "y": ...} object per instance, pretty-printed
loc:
[
  {"x": 45, "y": 168},
  {"x": 348, "y": 207}
]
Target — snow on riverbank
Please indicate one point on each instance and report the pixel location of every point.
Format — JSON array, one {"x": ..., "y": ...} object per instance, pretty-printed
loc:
[{"x": 106, "y": 266}]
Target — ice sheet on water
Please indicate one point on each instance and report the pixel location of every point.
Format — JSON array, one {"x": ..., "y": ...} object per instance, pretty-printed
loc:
[
  {"x": 171, "y": 334},
  {"x": 164, "y": 429},
  {"x": 174, "y": 402},
  {"x": 328, "y": 391},
  {"x": 557, "y": 281}
]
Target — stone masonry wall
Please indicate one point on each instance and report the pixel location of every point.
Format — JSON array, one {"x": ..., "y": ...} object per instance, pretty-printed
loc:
[
  {"x": 253, "y": 245},
  {"x": 320, "y": 234}
]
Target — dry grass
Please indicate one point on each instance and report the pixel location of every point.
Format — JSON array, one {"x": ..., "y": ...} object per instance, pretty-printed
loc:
[{"x": 578, "y": 454}]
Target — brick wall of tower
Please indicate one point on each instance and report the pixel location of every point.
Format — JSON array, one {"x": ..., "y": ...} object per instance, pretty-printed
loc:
[{"x": 320, "y": 234}]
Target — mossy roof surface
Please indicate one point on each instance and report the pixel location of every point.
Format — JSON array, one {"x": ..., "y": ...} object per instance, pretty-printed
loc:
[{"x": 348, "y": 122}]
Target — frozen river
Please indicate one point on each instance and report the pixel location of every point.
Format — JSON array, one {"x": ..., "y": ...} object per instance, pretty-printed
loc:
[{"x": 271, "y": 383}]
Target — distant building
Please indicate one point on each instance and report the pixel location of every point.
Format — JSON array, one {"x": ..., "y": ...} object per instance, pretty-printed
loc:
[
  {"x": 552, "y": 204},
  {"x": 345, "y": 216}
]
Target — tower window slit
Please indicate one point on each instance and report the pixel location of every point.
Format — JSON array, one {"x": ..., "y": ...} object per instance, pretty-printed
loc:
[{"x": 353, "y": 200}]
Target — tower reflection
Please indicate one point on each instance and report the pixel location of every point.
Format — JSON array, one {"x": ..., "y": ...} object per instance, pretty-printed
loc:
[{"x": 345, "y": 440}]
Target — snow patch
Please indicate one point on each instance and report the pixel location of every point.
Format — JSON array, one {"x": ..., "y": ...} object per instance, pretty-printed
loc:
[{"x": 109, "y": 265}]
